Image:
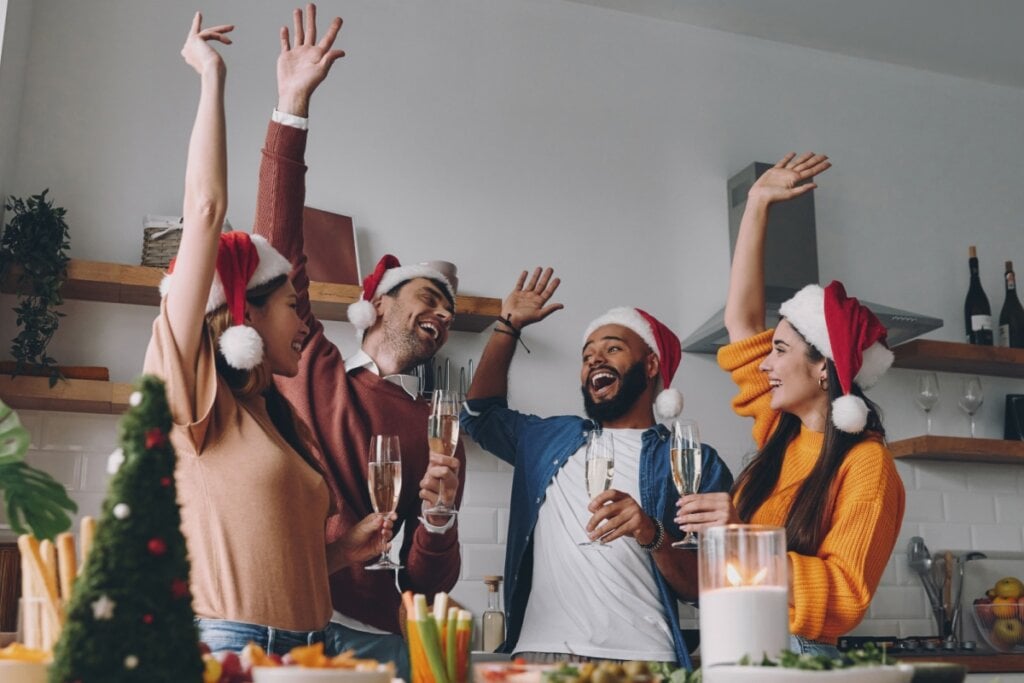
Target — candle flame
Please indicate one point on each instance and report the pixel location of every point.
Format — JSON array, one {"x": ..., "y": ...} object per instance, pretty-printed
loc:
[{"x": 735, "y": 577}]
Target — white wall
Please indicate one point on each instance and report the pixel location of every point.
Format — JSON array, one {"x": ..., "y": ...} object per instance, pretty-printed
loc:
[
  {"x": 501, "y": 135},
  {"x": 14, "y": 46}
]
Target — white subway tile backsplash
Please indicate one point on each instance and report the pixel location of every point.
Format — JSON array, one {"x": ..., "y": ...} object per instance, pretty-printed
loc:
[
  {"x": 64, "y": 467},
  {"x": 997, "y": 537},
  {"x": 924, "y": 506},
  {"x": 969, "y": 506},
  {"x": 488, "y": 489},
  {"x": 876, "y": 628},
  {"x": 480, "y": 461},
  {"x": 917, "y": 627},
  {"x": 940, "y": 536},
  {"x": 940, "y": 476},
  {"x": 990, "y": 479},
  {"x": 478, "y": 525},
  {"x": 94, "y": 472},
  {"x": 898, "y": 602},
  {"x": 1010, "y": 509},
  {"x": 502, "y": 525},
  {"x": 480, "y": 560},
  {"x": 32, "y": 421},
  {"x": 79, "y": 431}
]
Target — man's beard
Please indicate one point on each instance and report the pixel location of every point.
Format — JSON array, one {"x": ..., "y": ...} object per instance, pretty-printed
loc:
[
  {"x": 406, "y": 344},
  {"x": 631, "y": 386}
]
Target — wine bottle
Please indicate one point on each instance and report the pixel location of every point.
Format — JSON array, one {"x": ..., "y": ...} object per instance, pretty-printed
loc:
[
  {"x": 1011, "y": 317},
  {"x": 977, "y": 313}
]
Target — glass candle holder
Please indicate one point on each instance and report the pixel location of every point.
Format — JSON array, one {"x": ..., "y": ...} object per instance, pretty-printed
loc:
[{"x": 744, "y": 606}]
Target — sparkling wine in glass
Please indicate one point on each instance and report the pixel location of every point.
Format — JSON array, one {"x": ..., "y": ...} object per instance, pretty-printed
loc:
[
  {"x": 443, "y": 436},
  {"x": 972, "y": 398},
  {"x": 385, "y": 483},
  {"x": 600, "y": 468},
  {"x": 686, "y": 467},
  {"x": 927, "y": 396}
]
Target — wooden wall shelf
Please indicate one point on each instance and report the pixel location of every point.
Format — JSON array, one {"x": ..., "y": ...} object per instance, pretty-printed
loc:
[
  {"x": 121, "y": 283},
  {"x": 927, "y": 354},
  {"x": 958, "y": 449},
  {"x": 73, "y": 395}
]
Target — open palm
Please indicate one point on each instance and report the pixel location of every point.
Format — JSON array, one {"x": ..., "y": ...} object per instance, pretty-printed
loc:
[{"x": 789, "y": 177}]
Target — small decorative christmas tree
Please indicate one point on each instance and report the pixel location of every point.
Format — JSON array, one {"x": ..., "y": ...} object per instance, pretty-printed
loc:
[{"x": 131, "y": 618}]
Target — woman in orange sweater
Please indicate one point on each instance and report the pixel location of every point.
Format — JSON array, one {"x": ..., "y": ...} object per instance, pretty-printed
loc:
[{"x": 822, "y": 469}]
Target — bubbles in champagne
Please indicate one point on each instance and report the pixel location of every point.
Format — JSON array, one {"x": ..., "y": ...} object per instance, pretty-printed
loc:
[{"x": 385, "y": 483}]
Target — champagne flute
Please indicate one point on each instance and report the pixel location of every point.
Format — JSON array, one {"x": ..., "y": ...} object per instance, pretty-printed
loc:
[
  {"x": 385, "y": 483},
  {"x": 600, "y": 468},
  {"x": 443, "y": 436},
  {"x": 972, "y": 398},
  {"x": 686, "y": 467},
  {"x": 927, "y": 397}
]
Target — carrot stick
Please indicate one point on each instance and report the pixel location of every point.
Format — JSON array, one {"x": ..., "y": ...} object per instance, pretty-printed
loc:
[
  {"x": 463, "y": 634},
  {"x": 428, "y": 635}
]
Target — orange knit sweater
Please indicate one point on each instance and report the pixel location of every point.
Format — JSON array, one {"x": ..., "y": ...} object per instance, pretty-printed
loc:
[{"x": 832, "y": 589}]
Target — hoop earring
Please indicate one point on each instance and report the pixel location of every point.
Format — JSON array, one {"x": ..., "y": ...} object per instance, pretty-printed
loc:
[{"x": 823, "y": 384}]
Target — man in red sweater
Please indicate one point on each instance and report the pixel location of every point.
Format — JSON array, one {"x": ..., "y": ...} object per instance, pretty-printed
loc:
[{"x": 346, "y": 401}]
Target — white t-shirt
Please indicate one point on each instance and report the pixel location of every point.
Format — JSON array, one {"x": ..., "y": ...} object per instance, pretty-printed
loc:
[{"x": 593, "y": 601}]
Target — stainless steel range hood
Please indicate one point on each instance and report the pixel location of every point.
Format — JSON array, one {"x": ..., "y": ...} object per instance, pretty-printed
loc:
[{"x": 790, "y": 262}]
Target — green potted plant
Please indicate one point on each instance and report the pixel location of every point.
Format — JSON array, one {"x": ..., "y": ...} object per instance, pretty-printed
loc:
[
  {"x": 34, "y": 247},
  {"x": 34, "y": 502}
]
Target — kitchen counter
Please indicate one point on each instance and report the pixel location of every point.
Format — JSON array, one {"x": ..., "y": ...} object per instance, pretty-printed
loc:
[{"x": 986, "y": 663}]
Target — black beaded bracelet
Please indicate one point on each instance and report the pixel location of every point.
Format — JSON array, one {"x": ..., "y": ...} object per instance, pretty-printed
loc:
[
  {"x": 659, "y": 537},
  {"x": 512, "y": 330}
]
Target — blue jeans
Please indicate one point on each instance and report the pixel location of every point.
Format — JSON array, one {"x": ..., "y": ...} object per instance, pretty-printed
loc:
[
  {"x": 384, "y": 648},
  {"x": 222, "y": 635},
  {"x": 805, "y": 646}
]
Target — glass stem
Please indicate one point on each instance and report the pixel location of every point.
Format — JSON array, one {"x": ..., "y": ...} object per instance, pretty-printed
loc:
[
  {"x": 972, "y": 426},
  {"x": 928, "y": 423}
]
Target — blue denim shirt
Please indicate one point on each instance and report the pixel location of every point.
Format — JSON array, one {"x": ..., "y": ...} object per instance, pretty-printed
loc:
[{"x": 538, "y": 448}]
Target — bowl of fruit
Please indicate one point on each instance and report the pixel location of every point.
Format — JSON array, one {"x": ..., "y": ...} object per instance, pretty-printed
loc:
[{"x": 999, "y": 615}]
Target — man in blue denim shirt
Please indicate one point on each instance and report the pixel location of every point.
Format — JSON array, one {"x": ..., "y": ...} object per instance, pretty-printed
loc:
[{"x": 616, "y": 599}]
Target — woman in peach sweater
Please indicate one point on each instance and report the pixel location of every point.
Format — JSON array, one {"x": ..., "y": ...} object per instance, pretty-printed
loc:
[{"x": 822, "y": 469}]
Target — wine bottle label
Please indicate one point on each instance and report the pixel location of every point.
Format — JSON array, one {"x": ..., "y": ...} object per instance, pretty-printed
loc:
[
  {"x": 1004, "y": 336},
  {"x": 981, "y": 322}
]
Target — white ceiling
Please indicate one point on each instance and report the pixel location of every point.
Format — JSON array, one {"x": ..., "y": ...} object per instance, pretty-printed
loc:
[{"x": 978, "y": 39}]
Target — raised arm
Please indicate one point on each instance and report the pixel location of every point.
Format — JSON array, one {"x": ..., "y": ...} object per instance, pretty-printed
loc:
[
  {"x": 791, "y": 177},
  {"x": 206, "y": 193},
  {"x": 526, "y": 304},
  {"x": 304, "y": 63}
]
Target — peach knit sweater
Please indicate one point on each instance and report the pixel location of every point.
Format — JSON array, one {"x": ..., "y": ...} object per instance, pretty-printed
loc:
[{"x": 833, "y": 588}]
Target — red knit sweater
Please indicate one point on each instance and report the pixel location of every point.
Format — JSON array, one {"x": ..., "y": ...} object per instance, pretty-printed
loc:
[{"x": 344, "y": 410}]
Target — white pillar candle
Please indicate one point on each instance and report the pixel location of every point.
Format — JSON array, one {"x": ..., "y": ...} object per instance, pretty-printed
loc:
[{"x": 743, "y": 620}]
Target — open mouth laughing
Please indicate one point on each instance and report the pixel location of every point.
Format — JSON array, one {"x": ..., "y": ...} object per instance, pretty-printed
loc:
[{"x": 603, "y": 382}]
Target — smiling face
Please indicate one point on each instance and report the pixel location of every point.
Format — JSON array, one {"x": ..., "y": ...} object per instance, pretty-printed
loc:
[
  {"x": 793, "y": 375},
  {"x": 618, "y": 370},
  {"x": 414, "y": 321},
  {"x": 281, "y": 328}
]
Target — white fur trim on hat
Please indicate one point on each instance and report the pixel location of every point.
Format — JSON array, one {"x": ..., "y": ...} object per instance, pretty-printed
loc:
[
  {"x": 875, "y": 360},
  {"x": 850, "y": 414},
  {"x": 805, "y": 311},
  {"x": 669, "y": 403},
  {"x": 627, "y": 317},
  {"x": 272, "y": 264},
  {"x": 396, "y": 276},
  {"x": 362, "y": 314},
  {"x": 242, "y": 347}
]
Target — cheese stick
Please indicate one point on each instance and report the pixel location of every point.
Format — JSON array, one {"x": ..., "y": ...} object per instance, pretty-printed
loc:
[
  {"x": 67, "y": 564},
  {"x": 29, "y": 546},
  {"x": 87, "y": 534}
]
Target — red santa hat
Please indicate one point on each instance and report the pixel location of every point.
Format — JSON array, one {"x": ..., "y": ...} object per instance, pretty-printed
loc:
[
  {"x": 244, "y": 261},
  {"x": 388, "y": 274},
  {"x": 662, "y": 341},
  {"x": 851, "y": 336}
]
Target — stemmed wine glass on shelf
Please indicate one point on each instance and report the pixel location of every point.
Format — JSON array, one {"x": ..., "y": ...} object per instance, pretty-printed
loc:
[
  {"x": 927, "y": 396},
  {"x": 443, "y": 436},
  {"x": 600, "y": 468},
  {"x": 972, "y": 398},
  {"x": 385, "y": 481},
  {"x": 687, "y": 462}
]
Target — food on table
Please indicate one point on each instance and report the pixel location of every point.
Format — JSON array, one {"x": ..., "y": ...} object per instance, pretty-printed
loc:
[
  {"x": 231, "y": 667},
  {"x": 999, "y": 615}
]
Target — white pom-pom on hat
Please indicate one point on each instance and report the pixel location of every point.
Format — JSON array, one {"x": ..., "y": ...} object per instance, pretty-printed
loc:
[
  {"x": 850, "y": 414},
  {"x": 362, "y": 314},
  {"x": 242, "y": 347},
  {"x": 669, "y": 403}
]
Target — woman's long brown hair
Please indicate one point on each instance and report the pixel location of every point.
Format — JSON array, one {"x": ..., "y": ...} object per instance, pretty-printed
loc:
[
  {"x": 812, "y": 506},
  {"x": 259, "y": 381}
]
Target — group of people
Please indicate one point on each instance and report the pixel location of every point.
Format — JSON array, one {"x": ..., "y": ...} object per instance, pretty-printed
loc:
[{"x": 272, "y": 425}]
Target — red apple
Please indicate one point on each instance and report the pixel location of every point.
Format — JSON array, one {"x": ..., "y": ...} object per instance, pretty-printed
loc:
[{"x": 983, "y": 608}]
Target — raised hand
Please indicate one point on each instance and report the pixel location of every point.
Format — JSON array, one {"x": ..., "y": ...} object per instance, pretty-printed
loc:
[
  {"x": 304, "y": 64},
  {"x": 362, "y": 541},
  {"x": 528, "y": 301},
  {"x": 788, "y": 178},
  {"x": 616, "y": 514},
  {"x": 699, "y": 511},
  {"x": 197, "y": 51}
]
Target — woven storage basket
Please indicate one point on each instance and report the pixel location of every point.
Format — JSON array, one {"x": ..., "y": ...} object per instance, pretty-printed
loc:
[{"x": 159, "y": 246}]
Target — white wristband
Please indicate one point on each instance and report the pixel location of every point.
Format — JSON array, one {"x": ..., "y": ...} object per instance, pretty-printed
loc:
[{"x": 435, "y": 529}]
